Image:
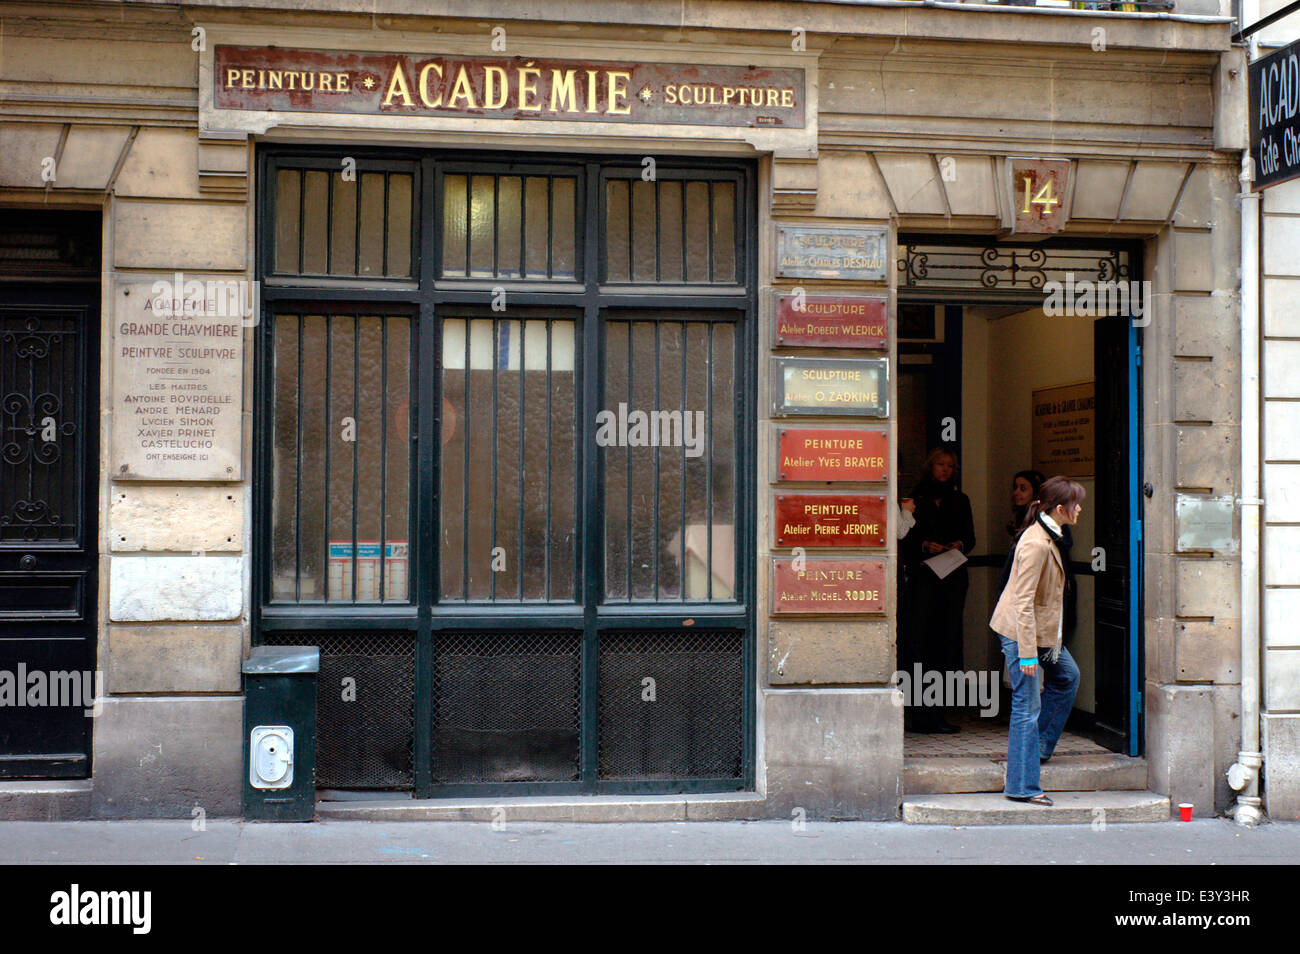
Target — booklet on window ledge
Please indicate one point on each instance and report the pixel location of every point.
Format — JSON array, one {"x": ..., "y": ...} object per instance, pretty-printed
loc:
[{"x": 945, "y": 562}]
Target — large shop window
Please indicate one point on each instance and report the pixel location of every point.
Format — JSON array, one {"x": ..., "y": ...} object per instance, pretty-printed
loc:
[{"x": 505, "y": 439}]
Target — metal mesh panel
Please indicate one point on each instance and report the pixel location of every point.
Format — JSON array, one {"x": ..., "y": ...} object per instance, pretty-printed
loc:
[
  {"x": 506, "y": 707},
  {"x": 692, "y": 728},
  {"x": 365, "y": 732}
]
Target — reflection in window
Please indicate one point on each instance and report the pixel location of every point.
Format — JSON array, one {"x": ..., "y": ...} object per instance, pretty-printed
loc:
[{"x": 515, "y": 227}]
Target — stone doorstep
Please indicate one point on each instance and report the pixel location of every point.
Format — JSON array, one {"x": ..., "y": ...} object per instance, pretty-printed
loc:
[
  {"x": 746, "y": 806},
  {"x": 1070, "y": 808},
  {"x": 45, "y": 800},
  {"x": 933, "y": 775}
]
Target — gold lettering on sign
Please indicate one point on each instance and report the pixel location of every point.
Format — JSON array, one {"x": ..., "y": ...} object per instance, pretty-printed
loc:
[
  {"x": 397, "y": 86},
  {"x": 424, "y": 86}
]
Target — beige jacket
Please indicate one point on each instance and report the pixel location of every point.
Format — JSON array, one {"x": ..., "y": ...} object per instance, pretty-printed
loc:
[{"x": 1029, "y": 609}]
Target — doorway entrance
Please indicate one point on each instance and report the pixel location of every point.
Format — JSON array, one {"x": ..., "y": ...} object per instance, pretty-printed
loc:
[
  {"x": 1000, "y": 375},
  {"x": 505, "y": 472},
  {"x": 49, "y": 459}
]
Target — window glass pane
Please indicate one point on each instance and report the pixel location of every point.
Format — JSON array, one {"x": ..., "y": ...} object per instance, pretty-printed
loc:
[
  {"x": 372, "y": 224},
  {"x": 287, "y": 205},
  {"x": 399, "y": 226},
  {"x": 643, "y": 231},
  {"x": 343, "y": 226},
  {"x": 481, "y": 226},
  {"x": 453, "y": 226},
  {"x": 618, "y": 221},
  {"x": 315, "y": 209},
  {"x": 509, "y": 222},
  {"x": 697, "y": 231},
  {"x": 564, "y": 254},
  {"x": 669, "y": 456},
  {"x": 341, "y": 424},
  {"x": 670, "y": 231},
  {"x": 724, "y": 232},
  {"x": 536, "y": 226},
  {"x": 509, "y": 459}
]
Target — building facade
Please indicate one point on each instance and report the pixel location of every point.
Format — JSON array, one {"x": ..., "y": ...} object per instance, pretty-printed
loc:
[{"x": 560, "y": 378}]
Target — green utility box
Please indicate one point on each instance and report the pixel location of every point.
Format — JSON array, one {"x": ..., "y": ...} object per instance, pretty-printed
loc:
[{"x": 280, "y": 733}]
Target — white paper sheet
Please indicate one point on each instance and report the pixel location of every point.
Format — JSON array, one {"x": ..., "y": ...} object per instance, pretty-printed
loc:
[{"x": 945, "y": 562}]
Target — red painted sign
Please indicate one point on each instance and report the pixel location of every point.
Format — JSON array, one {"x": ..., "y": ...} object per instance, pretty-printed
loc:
[
  {"x": 830, "y": 520},
  {"x": 828, "y": 586},
  {"x": 504, "y": 87},
  {"x": 830, "y": 322},
  {"x": 823, "y": 453}
]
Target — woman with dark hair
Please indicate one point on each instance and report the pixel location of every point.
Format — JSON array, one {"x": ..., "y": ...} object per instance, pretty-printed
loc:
[
  {"x": 943, "y": 522},
  {"x": 1024, "y": 489},
  {"x": 1028, "y": 621}
]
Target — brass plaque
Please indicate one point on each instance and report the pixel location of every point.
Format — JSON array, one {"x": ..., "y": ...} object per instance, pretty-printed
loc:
[
  {"x": 856, "y": 386},
  {"x": 828, "y": 585},
  {"x": 805, "y": 251}
]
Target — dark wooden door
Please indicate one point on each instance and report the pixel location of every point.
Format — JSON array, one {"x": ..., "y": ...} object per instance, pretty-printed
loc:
[
  {"x": 49, "y": 398},
  {"x": 1114, "y": 533}
]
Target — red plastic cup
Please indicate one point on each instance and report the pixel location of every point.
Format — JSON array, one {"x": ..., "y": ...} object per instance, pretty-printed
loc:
[{"x": 1185, "y": 811}]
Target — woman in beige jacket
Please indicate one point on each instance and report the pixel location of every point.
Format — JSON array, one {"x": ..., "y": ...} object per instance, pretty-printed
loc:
[{"x": 1027, "y": 619}]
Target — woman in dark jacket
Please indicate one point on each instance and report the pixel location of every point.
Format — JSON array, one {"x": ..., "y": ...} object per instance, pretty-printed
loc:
[{"x": 943, "y": 522}]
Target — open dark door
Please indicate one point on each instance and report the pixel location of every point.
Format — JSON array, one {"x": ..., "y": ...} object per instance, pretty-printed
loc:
[
  {"x": 1116, "y": 534},
  {"x": 49, "y": 398}
]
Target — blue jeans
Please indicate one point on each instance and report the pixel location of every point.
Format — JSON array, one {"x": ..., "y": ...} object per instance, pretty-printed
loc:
[{"x": 1036, "y": 723}]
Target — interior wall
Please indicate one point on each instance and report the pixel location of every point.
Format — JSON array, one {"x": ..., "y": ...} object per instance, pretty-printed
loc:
[{"x": 1004, "y": 360}]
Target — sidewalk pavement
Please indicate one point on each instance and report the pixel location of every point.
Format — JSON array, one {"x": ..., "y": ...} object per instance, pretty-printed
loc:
[{"x": 224, "y": 842}]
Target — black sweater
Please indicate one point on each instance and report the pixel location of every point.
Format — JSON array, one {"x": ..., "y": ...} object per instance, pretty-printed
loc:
[{"x": 943, "y": 522}]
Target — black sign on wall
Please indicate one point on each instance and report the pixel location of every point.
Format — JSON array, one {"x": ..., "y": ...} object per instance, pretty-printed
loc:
[{"x": 1275, "y": 116}]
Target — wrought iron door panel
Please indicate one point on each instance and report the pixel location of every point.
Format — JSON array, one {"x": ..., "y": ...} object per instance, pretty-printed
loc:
[{"x": 48, "y": 539}]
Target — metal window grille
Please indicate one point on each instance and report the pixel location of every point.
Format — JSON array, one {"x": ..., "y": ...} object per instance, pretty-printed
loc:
[
  {"x": 329, "y": 223},
  {"x": 509, "y": 226},
  {"x": 671, "y": 705},
  {"x": 365, "y": 707},
  {"x": 342, "y": 457},
  {"x": 672, "y": 231},
  {"x": 506, "y": 707},
  {"x": 1005, "y": 267},
  {"x": 509, "y": 462},
  {"x": 670, "y": 487}
]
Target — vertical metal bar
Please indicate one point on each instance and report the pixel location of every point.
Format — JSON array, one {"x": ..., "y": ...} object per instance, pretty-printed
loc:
[
  {"x": 329, "y": 404},
  {"x": 384, "y": 219},
  {"x": 546, "y": 549},
  {"x": 658, "y": 248},
  {"x": 356, "y": 226},
  {"x": 496, "y": 271},
  {"x": 469, "y": 218},
  {"x": 464, "y": 474},
  {"x": 329, "y": 225},
  {"x": 383, "y": 466},
  {"x": 302, "y": 214},
  {"x": 297, "y": 482},
  {"x": 492, "y": 577},
  {"x": 589, "y": 375},
  {"x": 523, "y": 225},
  {"x": 654, "y": 545},
  {"x": 708, "y": 468},
  {"x": 682, "y": 593},
  {"x": 708, "y": 230},
  {"x": 628, "y": 453},
  {"x": 631, "y": 276},
  {"x": 550, "y": 226},
  {"x": 685, "y": 233},
  {"x": 356, "y": 415},
  {"x": 519, "y": 477}
]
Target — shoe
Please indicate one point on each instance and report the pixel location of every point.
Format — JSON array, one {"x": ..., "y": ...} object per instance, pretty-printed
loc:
[
  {"x": 946, "y": 727},
  {"x": 1039, "y": 799}
]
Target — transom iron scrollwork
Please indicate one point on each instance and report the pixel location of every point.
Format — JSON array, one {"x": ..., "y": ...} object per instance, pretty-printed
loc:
[
  {"x": 38, "y": 372},
  {"x": 1004, "y": 268}
]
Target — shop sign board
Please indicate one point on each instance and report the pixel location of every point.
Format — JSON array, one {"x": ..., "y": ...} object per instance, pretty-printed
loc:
[
  {"x": 832, "y": 454},
  {"x": 1274, "y": 112},
  {"x": 808, "y": 251},
  {"x": 815, "y": 585},
  {"x": 855, "y": 386},
  {"x": 824, "y": 321},
  {"x": 829, "y": 520},
  {"x": 506, "y": 87}
]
